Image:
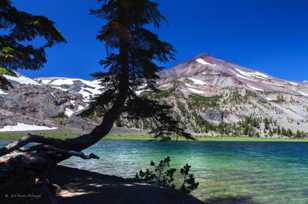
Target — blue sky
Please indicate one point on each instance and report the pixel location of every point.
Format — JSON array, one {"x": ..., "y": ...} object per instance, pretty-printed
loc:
[{"x": 268, "y": 35}]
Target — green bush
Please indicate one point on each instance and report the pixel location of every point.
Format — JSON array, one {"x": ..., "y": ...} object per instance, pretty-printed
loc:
[{"x": 162, "y": 175}]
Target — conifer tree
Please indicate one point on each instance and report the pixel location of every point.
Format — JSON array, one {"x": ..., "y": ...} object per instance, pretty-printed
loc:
[{"x": 130, "y": 64}]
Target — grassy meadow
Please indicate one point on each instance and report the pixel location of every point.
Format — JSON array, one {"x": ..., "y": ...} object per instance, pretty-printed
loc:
[{"x": 65, "y": 134}]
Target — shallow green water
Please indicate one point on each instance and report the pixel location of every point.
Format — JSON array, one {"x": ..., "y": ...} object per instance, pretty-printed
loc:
[{"x": 260, "y": 172}]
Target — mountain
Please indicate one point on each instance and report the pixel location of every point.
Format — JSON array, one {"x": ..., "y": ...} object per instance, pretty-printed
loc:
[
  {"x": 207, "y": 72},
  {"x": 31, "y": 105},
  {"x": 208, "y": 95},
  {"x": 87, "y": 89},
  {"x": 210, "y": 90}
]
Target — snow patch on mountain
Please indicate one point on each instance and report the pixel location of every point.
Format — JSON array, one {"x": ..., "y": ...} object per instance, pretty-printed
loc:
[
  {"x": 255, "y": 88},
  {"x": 25, "y": 127},
  {"x": 197, "y": 81},
  {"x": 245, "y": 77},
  {"x": 293, "y": 83},
  {"x": 88, "y": 89},
  {"x": 269, "y": 99},
  {"x": 2, "y": 92},
  {"x": 69, "y": 112},
  {"x": 303, "y": 93},
  {"x": 195, "y": 91},
  {"x": 22, "y": 80},
  {"x": 203, "y": 62},
  {"x": 252, "y": 74},
  {"x": 66, "y": 81},
  {"x": 80, "y": 108}
]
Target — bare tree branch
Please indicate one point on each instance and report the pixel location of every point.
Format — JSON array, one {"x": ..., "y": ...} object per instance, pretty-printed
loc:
[
  {"x": 70, "y": 152},
  {"x": 30, "y": 139},
  {"x": 49, "y": 144}
]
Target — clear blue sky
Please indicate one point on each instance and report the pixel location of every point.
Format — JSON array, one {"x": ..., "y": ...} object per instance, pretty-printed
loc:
[{"x": 269, "y": 35}]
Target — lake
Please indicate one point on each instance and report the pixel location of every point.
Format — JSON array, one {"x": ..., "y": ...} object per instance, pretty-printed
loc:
[{"x": 260, "y": 172}]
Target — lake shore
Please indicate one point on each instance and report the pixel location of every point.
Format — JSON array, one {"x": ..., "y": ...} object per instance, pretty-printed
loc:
[
  {"x": 65, "y": 134},
  {"x": 80, "y": 186}
]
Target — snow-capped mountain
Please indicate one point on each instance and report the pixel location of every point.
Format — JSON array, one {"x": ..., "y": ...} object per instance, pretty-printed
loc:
[
  {"x": 229, "y": 93},
  {"x": 205, "y": 73},
  {"x": 207, "y": 94},
  {"x": 88, "y": 89},
  {"x": 32, "y": 105},
  {"x": 20, "y": 79}
]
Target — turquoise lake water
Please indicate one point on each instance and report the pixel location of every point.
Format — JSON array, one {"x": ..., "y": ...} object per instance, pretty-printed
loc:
[{"x": 261, "y": 172}]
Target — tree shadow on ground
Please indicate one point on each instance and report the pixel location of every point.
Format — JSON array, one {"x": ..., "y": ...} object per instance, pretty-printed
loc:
[{"x": 78, "y": 186}]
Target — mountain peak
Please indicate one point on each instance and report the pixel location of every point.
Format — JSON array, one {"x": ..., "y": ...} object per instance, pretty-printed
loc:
[
  {"x": 220, "y": 74},
  {"x": 207, "y": 59}
]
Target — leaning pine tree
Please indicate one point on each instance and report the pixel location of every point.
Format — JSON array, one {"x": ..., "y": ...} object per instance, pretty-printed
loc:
[{"x": 129, "y": 65}]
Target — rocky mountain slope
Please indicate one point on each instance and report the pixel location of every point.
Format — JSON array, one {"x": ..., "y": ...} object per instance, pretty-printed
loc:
[
  {"x": 31, "y": 105},
  {"x": 209, "y": 96},
  {"x": 214, "y": 95},
  {"x": 87, "y": 89}
]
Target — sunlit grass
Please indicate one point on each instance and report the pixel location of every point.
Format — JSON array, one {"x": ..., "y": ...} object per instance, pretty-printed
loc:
[
  {"x": 59, "y": 134},
  {"x": 66, "y": 134}
]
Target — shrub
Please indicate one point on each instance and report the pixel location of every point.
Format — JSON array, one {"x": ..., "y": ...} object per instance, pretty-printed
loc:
[{"x": 162, "y": 175}]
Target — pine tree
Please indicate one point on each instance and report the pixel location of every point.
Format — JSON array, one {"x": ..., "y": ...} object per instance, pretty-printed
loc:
[
  {"x": 298, "y": 134},
  {"x": 266, "y": 124},
  {"x": 284, "y": 131},
  {"x": 279, "y": 132},
  {"x": 289, "y": 133},
  {"x": 133, "y": 51},
  {"x": 18, "y": 31}
]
